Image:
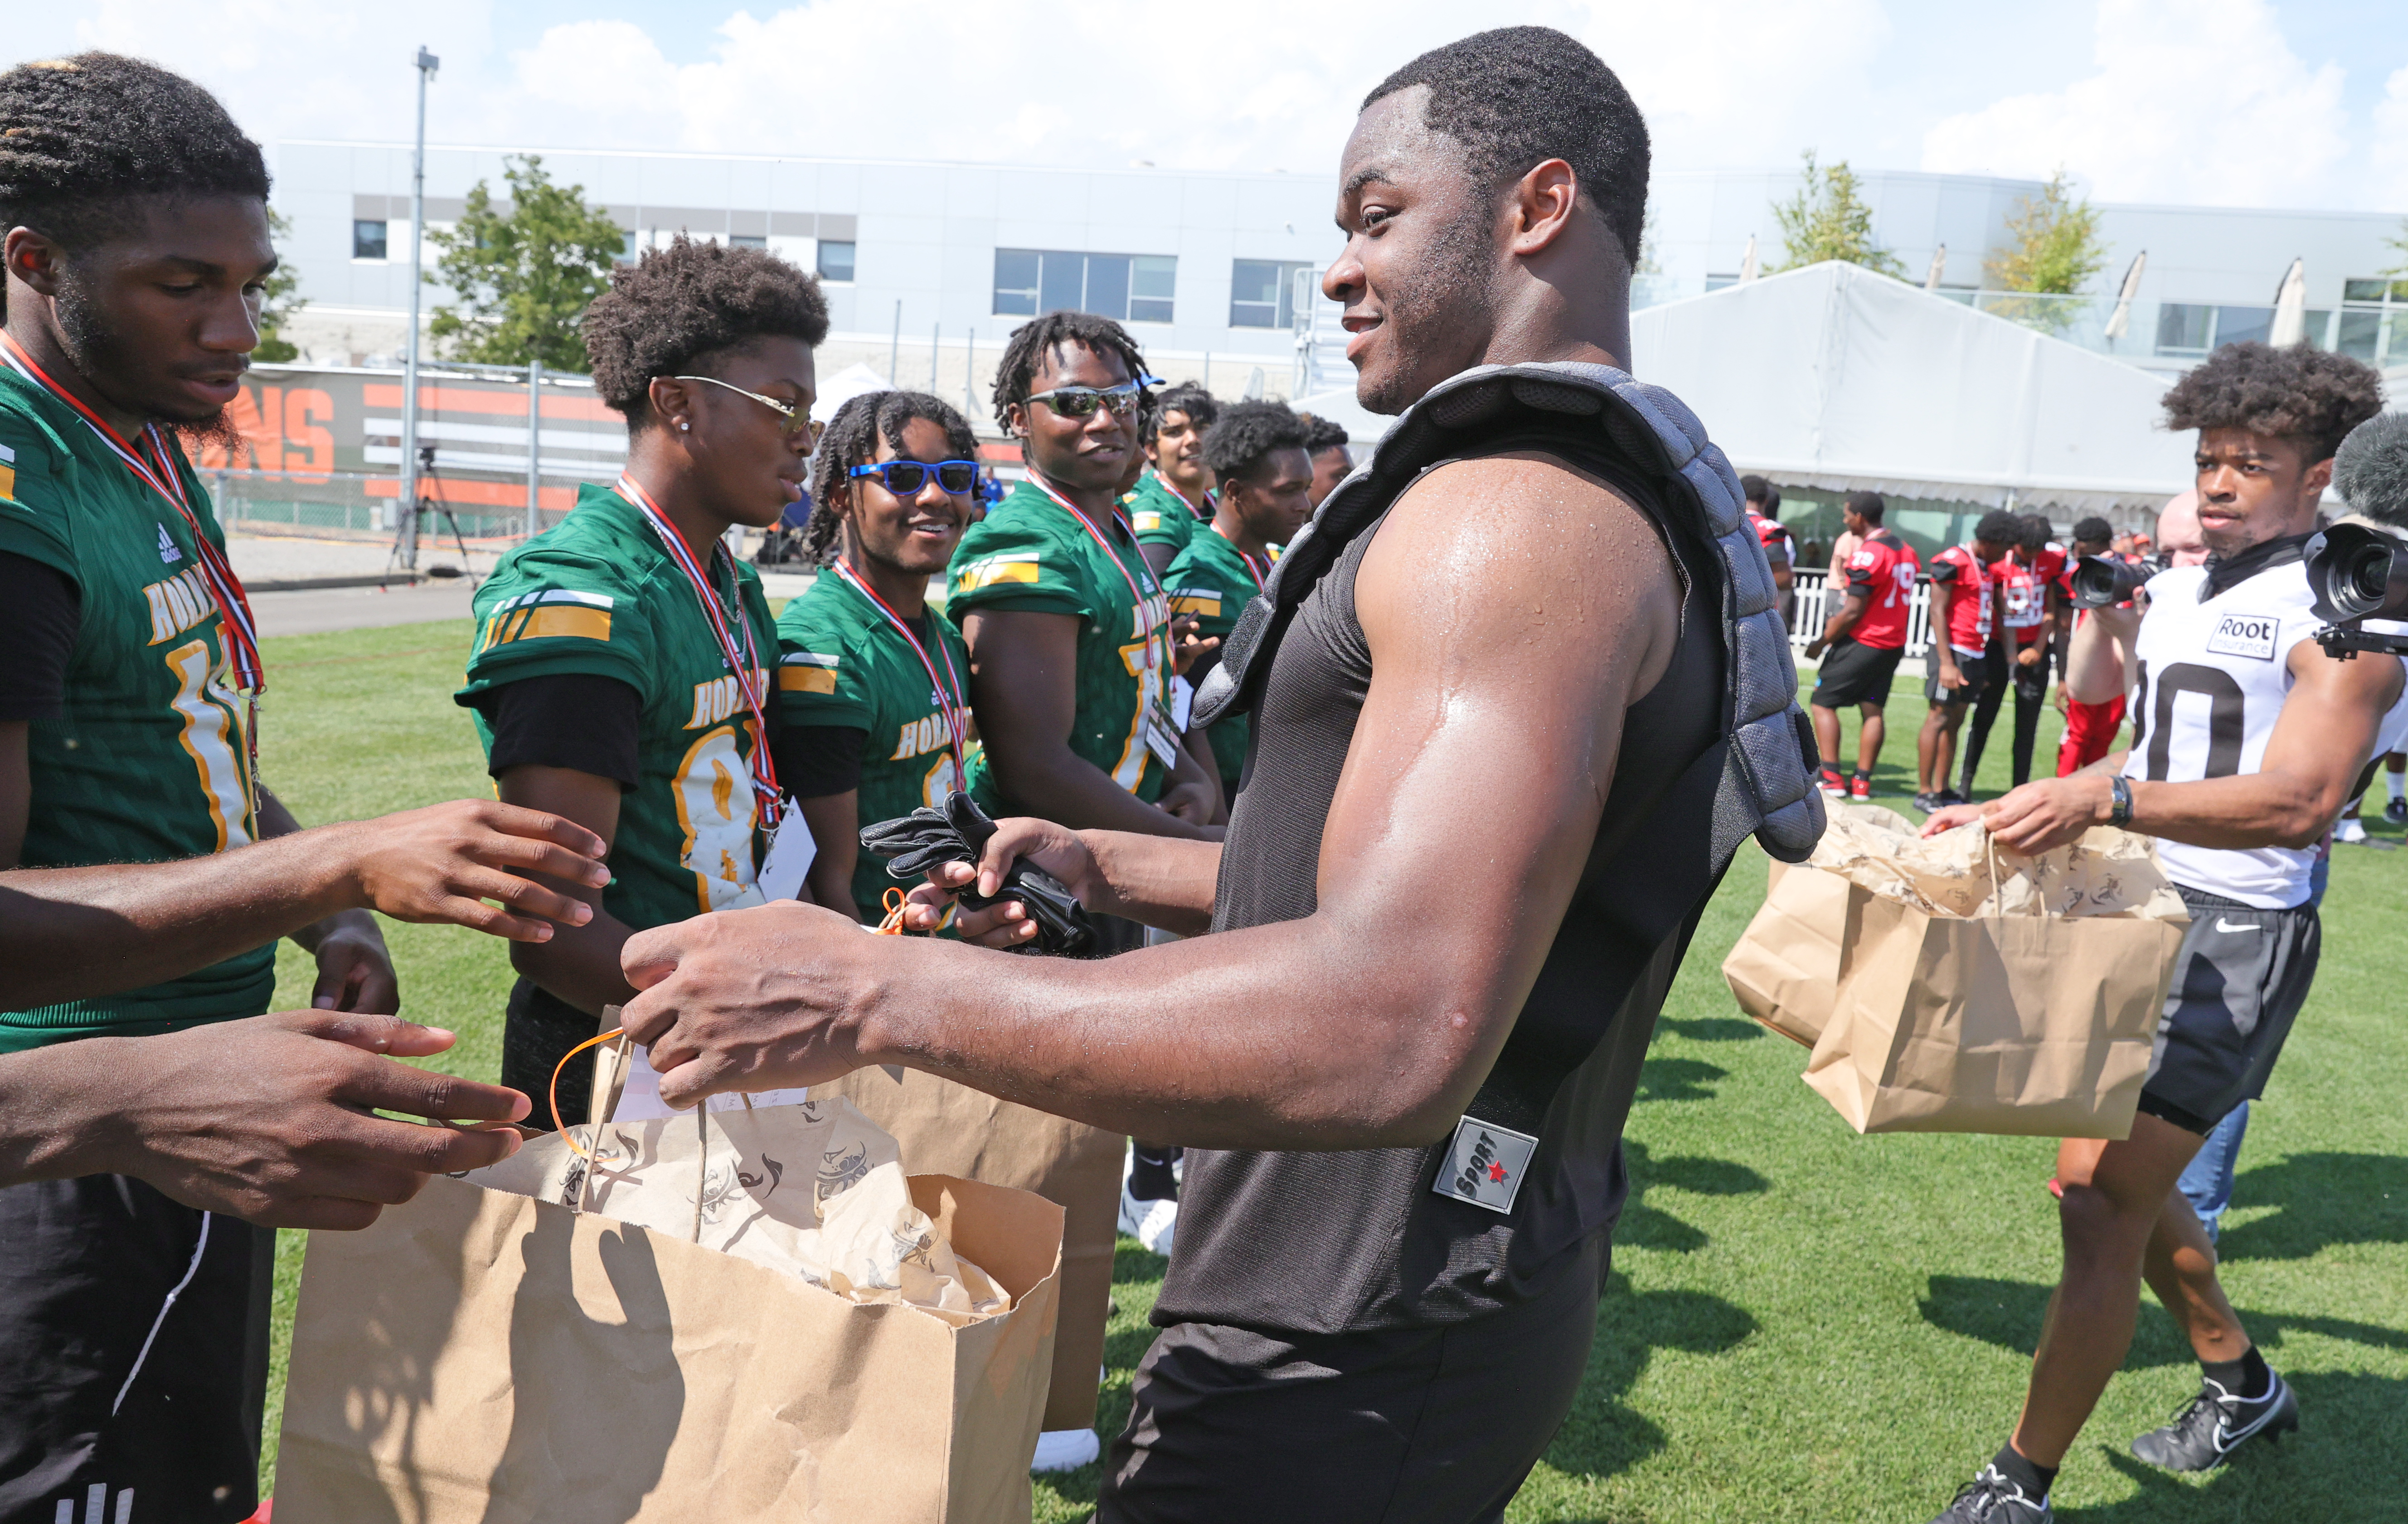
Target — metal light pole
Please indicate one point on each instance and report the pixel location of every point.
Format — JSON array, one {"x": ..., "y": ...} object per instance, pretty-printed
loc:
[
  {"x": 894, "y": 350},
  {"x": 535, "y": 440},
  {"x": 426, "y": 65}
]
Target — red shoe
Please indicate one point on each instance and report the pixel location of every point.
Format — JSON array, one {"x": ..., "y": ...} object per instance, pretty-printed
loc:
[
  {"x": 1833, "y": 783},
  {"x": 1860, "y": 787}
]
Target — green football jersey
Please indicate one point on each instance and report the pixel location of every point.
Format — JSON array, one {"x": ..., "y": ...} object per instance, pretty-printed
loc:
[
  {"x": 1032, "y": 553},
  {"x": 1159, "y": 515},
  {"x": 1211, "y": 581},
  {"x": 599, "y": 594},
  {"x": 147, "y": 761},
  {"x": 841, "y": 662}
]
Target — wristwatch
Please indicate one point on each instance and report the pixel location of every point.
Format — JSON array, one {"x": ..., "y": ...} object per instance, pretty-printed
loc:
[{"x": 2119, "y": 813}]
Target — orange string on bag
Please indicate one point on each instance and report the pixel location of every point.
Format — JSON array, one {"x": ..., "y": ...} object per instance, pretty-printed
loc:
[{"x": 568, "y": 1136}]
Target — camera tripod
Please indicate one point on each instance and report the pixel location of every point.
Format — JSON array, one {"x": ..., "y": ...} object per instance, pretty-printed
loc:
[{"x": 405, "y": 540}]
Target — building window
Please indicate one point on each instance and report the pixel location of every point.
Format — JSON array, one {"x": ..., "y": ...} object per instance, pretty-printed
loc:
[
  {"x": 747, "y": 240},
  {"x": 1261, "y": 293},
  {"x": 368, "y": 240},
  {"x": 2184, "y": 326},
  {"x": 1126, "y": 288},
  {"x": 836, "y": 260}
]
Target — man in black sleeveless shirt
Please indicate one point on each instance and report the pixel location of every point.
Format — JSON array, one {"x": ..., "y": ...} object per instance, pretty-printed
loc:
[{"x": 1466, "y": 864}]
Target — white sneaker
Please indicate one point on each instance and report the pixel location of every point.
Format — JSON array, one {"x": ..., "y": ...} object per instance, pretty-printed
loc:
[
  {"x": 1151, "y": 1223},
  {"x": 2350, "y": 832},
  {"x": 1065, "y": 1449}
]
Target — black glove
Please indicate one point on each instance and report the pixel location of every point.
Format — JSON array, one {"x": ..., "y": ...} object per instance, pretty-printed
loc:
[{"x": 926, "y": 838}]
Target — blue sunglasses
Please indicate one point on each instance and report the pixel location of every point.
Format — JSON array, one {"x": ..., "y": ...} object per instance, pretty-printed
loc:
[{"x": 905, "y": 478}]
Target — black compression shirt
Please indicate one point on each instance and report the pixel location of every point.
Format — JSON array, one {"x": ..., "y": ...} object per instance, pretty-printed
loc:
[
  {"x": 573, "y": 719},
  {"x": 1335, "y": 1242},
  {"x": 40, "y": 614}
]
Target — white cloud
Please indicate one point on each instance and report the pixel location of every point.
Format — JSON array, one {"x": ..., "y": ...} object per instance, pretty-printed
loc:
[
  {"x": 2193, "y": 101},
  {"x": 2387, "y": 156}
]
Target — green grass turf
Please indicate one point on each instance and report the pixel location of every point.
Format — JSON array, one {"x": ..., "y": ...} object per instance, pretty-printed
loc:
[{"x": 1802, "y": 1324}]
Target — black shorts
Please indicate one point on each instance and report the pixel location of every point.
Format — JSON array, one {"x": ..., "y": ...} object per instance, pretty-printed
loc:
[
  {"x": 133, "y": 1355},
  {"x": 2240, "y": 979},
  {"x": 1975, "y": 670},
  {"x": 1426, "y": 1425},
  {"x": 1856, "y": 674}
]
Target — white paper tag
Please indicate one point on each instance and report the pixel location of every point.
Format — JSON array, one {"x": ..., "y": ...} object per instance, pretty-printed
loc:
[
  {"x": 2246, "y": 634},
  {"x": 790, "y": 851},
  {"x": 641, "y": 1099},
  {"x": 1161, "y": 736},
  {"x": 1183, "y": 701},
  {"x": 1485, "y": 1165}
]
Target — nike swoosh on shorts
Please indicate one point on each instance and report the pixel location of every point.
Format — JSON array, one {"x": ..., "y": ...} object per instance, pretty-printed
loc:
[{"x": 2224, "y": 925}]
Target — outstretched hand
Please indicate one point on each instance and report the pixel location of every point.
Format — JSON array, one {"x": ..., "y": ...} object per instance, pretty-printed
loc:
[
  {"x": 2032, "y": 819},
  {"x": 1055, "y": 849},
  {"x": 271, "y": 1119},
  {"x": 443, "y": 862}
]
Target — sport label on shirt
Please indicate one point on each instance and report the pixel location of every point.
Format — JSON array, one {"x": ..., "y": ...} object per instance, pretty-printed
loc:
[
  {"x": 1485, "y": 1165},
  {"x": 2246, "y": 634}
]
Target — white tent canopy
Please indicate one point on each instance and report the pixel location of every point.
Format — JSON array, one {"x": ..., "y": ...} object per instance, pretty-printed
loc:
[
  {"x": 853, "y": 381},
  {"x": 1833, "y": 376}
]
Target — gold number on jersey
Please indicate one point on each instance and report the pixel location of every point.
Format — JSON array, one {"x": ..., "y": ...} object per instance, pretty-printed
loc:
[
  {"x": 209, "y": 739},
  {"x": 716, "y": 809}
]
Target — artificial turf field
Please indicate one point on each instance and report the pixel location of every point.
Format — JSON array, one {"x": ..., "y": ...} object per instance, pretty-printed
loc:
[{"x": 1802, "y": 1324}]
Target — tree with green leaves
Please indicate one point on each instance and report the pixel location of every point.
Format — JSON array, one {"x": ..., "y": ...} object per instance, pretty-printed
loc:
[
  {"x": 2056, "y": 250},
  {"x": 278, "y": 304},
  {"x": 524, "y": 273},
  {"x": 1828, "y": 219}
]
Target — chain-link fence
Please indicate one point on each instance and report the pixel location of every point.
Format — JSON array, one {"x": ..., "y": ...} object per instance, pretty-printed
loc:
[{"x": 361, "y": 504}]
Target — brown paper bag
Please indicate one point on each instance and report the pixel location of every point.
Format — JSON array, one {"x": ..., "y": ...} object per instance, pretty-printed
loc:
[
  {"x": 950, "y": 1128},
  {"x": 1784, "y": 968},
  {"x": 2038, "y": 1023},
  {"x": 479, "y": 1355}
]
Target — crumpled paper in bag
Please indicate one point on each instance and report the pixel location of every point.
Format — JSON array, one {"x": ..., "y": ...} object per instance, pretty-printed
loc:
[
  {"x": 2107, "y": 872},
  {"x": 816, "y": 1190}
]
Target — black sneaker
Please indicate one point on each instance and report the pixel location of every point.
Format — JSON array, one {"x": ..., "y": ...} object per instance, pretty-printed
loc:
[
  {"x": 1926, "y": 802},
  {"x": 2396, "y": 811},
  {"x": 1991, "y": 1498},
  {"x": 2215, "y": 1423}
]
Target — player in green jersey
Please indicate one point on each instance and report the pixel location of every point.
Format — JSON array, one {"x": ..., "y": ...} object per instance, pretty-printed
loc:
[
  {"x": 622, "y": 662},
  {"x": 1174, "y": 498},
  {"x": 1257, "y": 452},
  {"x": 873, "y": 705},
  {"x": 1067, "y": 629},
  {"x": 132, "y": 1349}
]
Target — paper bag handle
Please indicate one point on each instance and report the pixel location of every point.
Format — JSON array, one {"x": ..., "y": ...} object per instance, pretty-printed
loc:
[{"x": 1998, "y": 907}]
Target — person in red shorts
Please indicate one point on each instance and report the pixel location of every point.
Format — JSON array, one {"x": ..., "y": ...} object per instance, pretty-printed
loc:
[
  {"x": 1865, "y": 635},
  {"x": 1964, "y": 611},
  {"x": 2089, "y": 728}
]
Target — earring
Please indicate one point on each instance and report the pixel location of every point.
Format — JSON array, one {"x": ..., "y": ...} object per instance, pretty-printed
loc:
[{"x": 683, "y": 425}]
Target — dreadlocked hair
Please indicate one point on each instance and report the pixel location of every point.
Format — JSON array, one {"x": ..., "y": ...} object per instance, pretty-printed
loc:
[
  {"x": 1187, "y": 397},
  {"x": 852, "y": 439},
  {"x": 1031, "y": 342},
  {"x": 80, "y": 137},
  {"x": 2312, "y": 396},
  {"x": 676, "y": 308}
]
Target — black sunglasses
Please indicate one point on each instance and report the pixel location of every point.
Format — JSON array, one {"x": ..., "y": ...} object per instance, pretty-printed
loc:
[{"x": 905, "y": 478}]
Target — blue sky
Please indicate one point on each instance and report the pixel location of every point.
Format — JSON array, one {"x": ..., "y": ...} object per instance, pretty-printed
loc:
[{"x": 2230, "y": 101}]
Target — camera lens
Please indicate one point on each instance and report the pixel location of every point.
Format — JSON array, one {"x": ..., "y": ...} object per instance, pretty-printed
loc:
[{"x": 2370, "y": 574}]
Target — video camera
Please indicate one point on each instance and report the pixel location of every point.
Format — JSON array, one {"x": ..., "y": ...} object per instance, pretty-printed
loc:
[
  {"x": 2104, "y": 581},
  {"x": 2355, "y": 573}
]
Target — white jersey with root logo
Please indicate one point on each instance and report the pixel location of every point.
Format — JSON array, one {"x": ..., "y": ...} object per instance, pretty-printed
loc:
[{"x": 2211, "y": 677}]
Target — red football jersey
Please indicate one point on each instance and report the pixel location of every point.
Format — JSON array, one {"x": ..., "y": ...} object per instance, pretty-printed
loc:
[
  {"x": 1773, "y": 536},
  {"x": 2026, "y": 599},
  {"x": 1969, "y": 605},
  {"x": 1886, "y": 567}
]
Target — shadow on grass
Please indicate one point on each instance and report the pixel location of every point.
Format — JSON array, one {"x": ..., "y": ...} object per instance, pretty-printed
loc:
[
  {"x": 1647, "y": 1226},
  {"x": 1678, "y": 1079},
  {"x": 2342, "y": 1464},
  {"x": 1603, "y": 1437},
  {"x": 2322, "y": 1199},
  {"x": 1712, "y": 1029},
  {"x": 2008, "y": 1314}
]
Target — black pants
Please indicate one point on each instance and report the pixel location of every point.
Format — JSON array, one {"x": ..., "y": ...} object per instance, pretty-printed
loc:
[
  {"x": 2031, "y": 695},
  {"x": 538, "y": 1027},
  {"x": 117, "y": 1403},
  {"x": 1426, "y": 1425}
]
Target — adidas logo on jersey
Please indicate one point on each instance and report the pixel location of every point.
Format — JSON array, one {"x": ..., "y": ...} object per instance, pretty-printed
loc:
[{"x": 168, "y": 551}]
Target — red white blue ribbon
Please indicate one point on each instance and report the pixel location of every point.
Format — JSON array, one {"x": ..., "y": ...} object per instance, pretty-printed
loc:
[
  {"x": 1156, "y": 653},
  {"x": 951, "y": 697},
  {"x": 1261, "y": 573},
  {"x": 735, "y": 648}
]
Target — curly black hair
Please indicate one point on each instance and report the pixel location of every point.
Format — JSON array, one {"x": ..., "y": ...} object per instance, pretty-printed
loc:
[
  {"x": 2000, "y": 526},
  {"x": 1248, "y": 434},
  {"x": 2312, "y": 396},
  {"x": 80, "y": 137},
  {"x": 2093, "y": 531},
  {"x": 1031, "y": 342},
  {"x": 1322, "y": 433},
  {"x": 1187, "y": 397},
  {"x": 1870, "y": 504},
  {"x": 851, "y": 438},
  {"x": 676, "y": 308},
  {"x": 2038, "y": 532},
  {"x": 1519, "y": 95}
]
